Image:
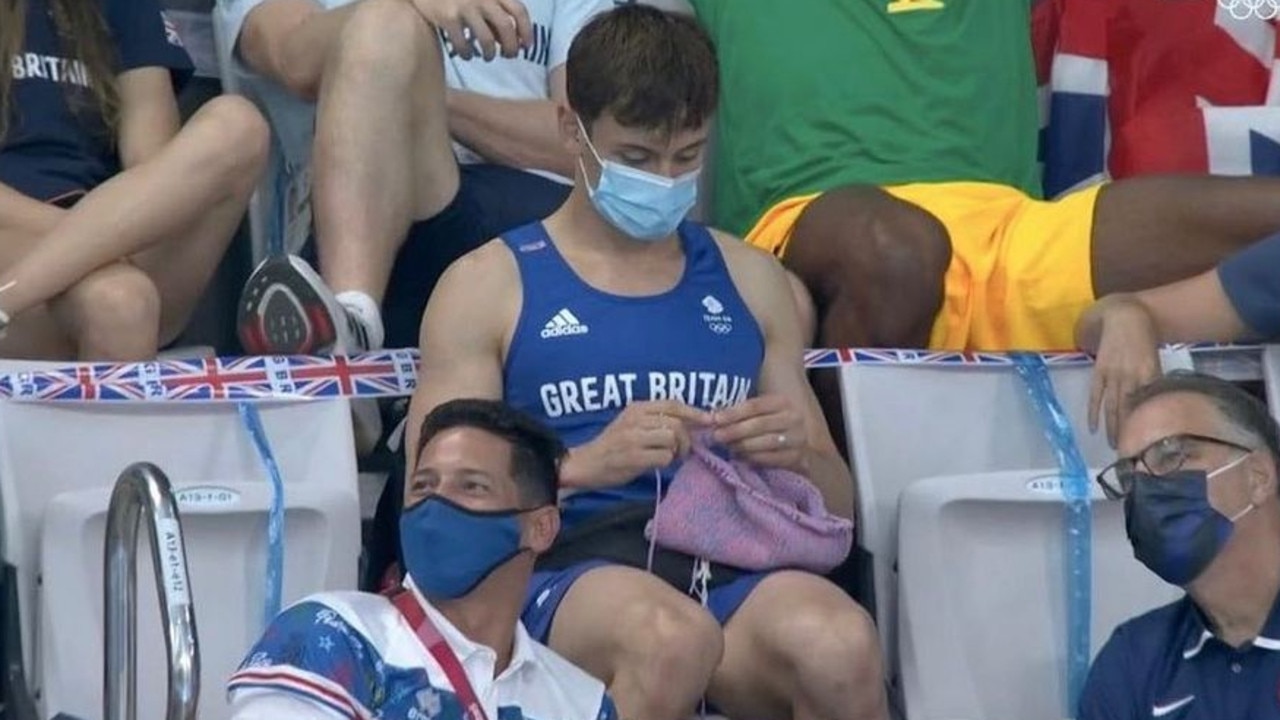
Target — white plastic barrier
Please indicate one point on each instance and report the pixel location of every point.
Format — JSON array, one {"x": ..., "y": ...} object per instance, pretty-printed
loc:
[
  {"x": 982, "y": 594},
  {"x": 58, "y": 462},
  {"x": 1271, "y": 375},
  {"x": 911, "y": 415}
]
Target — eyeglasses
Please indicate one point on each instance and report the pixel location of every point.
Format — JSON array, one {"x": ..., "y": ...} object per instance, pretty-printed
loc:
[{"x": 1162, "y": 457}]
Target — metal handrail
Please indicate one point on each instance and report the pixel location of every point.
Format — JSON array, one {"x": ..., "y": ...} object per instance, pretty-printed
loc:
[{"x": 143, "y": 486}]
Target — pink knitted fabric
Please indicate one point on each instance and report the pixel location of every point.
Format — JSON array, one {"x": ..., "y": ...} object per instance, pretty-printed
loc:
[{"x": 732, "y": 513}]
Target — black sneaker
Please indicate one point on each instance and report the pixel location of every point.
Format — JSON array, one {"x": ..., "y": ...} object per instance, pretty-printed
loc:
[{"x": 286, "y": 309}]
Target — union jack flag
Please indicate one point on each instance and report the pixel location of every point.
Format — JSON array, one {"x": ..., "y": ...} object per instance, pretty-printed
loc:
[{"x": 1131, "y": 87}]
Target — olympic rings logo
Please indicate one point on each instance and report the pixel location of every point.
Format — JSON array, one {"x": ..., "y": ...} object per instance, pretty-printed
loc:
[
  {"x": 1245, "y": 9},
  {"x": 721, "y": 328}
]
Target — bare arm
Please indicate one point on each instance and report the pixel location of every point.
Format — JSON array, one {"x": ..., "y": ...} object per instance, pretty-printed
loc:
[
  {"x": 768, "y": 293},
  {"x": 1124, "y": 332},
  {"x": 469, "y": 314},
  {"x": 149, "y": 116},
  {"x": 517, "y": 133},
  {"x": 1193, "y": 310},
  {"x": 289, "y": 42}
]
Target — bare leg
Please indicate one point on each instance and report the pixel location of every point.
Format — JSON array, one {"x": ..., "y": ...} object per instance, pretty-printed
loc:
[
  {"x": 383, "y": 156},
  {"x": 113, "y": 314},
  {"x": 110, "y": 314},
  {"x": 124, "y": 311},
  {"x": 656, "y": 651},
  {"x": 207, "y": 164},
  {"x": 182, "y": 267},
  {"x": 874, "y": 266},
  {"x": 1157, "y": 230},
  {"x": 800, "y": 648}
]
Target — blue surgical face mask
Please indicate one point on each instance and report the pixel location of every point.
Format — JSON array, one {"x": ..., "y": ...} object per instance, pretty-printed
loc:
[
  {"x": 1174, "y": 530},
  {"x": 448, "y": 550},
  {"x": 642, "y": 205}
]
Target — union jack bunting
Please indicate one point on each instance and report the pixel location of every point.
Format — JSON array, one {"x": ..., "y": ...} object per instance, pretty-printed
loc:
[{"x": 383, "y": 374}]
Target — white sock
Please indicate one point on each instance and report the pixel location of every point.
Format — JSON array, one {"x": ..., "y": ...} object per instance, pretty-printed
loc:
[
  {"x": 366, "y": 311},
  {"x": 4, "y": 316}
]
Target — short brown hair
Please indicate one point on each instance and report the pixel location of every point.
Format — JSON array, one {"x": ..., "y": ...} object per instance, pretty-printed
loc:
[
  {"x": 651, "y": 69},
  {"x": 1245, "y": 414}
]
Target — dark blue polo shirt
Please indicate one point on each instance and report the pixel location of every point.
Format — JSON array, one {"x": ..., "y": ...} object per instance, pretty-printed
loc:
[
  {"x": 1166, "y": 665},
  {"x": 56, "y": 143},
  {"x": 1249, "y": 278}
]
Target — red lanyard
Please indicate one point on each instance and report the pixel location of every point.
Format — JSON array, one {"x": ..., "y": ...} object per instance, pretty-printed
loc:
[{"x": 435, "y": 644}]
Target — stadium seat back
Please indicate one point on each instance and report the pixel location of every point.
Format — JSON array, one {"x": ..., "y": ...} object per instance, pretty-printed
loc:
[
  {"x": 58, "y": 464},
  {"x": 906, "y": 421},
  {"x": 982, "y": 594}
]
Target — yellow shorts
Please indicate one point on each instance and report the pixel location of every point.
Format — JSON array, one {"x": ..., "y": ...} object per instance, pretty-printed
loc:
[{"x": 1020, "y": 273}]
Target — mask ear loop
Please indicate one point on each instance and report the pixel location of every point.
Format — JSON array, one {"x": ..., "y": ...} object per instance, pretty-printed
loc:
[
  {"x": 1247, "y": 509},
  {"x": 1209, "y": 476}
]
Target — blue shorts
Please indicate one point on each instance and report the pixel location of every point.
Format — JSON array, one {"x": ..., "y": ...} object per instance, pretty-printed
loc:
[
  {"x": 491, "y": 200},
  {"x": 548, "y": 588}
]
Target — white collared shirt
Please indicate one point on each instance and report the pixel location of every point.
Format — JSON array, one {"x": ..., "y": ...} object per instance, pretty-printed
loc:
[{"x": 353, "y": 655}]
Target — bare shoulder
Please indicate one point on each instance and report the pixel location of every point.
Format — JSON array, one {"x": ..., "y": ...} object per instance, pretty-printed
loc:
[
  {"x": 489, "y": 269},
  {"x": 759, "y": 277},
  {"x": 741, "y": 255},
  {"x": 478, "y": 293}
]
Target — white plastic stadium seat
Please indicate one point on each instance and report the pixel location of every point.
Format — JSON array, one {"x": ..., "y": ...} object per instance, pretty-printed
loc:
[
  {"x": 909, "y": 420},
  {"x": 1271, "y": 375},
  {"x": 906, "y": 422},
  {"x": 58, "y": 462},
  {"x": 982, "y": 596}
]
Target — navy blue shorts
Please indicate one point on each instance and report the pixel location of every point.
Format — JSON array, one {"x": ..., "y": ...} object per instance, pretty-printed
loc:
[
  {"x": 548, "y": 588},
  {"x": 491, "y": 200}
]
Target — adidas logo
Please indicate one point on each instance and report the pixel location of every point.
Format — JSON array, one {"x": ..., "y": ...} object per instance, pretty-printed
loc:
[{"x": 563, "y": 323}]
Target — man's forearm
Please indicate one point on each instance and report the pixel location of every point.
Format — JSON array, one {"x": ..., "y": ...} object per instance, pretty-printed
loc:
[
  {"x": 1198, "y": 309},
  {"x": 518, "y": 133},
  {"x": 833, "y": 479}
]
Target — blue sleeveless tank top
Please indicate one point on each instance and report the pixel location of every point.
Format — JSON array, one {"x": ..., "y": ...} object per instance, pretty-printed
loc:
[{"x": 579, "y": 355}]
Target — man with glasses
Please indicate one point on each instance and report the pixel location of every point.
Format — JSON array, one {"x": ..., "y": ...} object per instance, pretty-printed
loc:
[{"x": 1197, "y": 473}]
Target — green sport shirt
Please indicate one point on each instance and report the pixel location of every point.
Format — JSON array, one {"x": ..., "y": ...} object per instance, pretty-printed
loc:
[{"x": 818, "y": 94}]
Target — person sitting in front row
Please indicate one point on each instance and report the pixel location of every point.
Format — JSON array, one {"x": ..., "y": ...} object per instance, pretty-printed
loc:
[
  {"x": 1197, "y": 472},
  {"x": 481, "y": 505}
]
